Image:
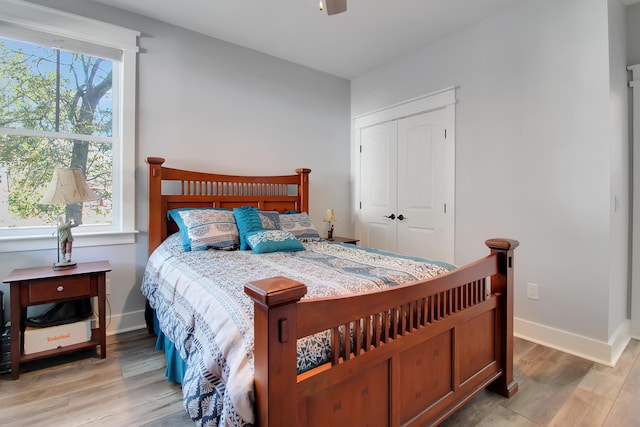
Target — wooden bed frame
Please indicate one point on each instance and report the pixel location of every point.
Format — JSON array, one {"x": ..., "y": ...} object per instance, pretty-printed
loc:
[{"x": 444, "y": 340}]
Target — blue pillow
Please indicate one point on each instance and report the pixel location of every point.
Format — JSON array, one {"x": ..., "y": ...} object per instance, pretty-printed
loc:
[
  {"x": 248, "y": 220},
  {"x": 204, "y": 228},
  {"x": 265, "y": 241}
]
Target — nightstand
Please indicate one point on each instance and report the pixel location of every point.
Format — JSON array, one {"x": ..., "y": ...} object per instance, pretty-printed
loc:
[
  {"x": 344, "y": 240},
  {"x": 43, "y": 285}
]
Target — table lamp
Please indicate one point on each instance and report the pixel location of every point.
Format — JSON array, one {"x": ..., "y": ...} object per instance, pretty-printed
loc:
[
  {"x": 68, "y": 186},
  {"x": 330, "y": 217}
]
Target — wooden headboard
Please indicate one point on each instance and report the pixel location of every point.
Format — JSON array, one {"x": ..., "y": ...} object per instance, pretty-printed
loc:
[{"x": 175, "y": 188}]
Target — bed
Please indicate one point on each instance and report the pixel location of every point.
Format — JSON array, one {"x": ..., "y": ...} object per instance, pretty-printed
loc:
[{"x": 410, "y": 352}]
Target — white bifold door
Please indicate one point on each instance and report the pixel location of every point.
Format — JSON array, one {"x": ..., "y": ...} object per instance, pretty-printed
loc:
[{"x": 407, "y": 185}]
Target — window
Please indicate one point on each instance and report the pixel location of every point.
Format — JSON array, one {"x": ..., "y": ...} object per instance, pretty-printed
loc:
[
  {"x": 56, "y": 110},
  {"x": 67, "y": 99}
]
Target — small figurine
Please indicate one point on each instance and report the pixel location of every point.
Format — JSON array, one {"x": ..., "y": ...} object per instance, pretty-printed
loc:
[{"x": 66, "y": 238}]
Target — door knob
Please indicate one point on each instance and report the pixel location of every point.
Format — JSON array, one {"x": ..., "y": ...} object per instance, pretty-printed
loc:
[
  {"x": 392, "y": 216},
  {"x": 400, "y": 217}
]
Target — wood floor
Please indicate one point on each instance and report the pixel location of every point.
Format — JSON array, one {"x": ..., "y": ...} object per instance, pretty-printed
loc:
[{"x": 128, "y": 388}]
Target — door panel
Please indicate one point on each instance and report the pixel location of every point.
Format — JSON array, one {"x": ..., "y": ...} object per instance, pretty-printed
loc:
[
  {"x": 419, "y": 241},
  {"x": 378, "y": 175},
  {"x": 425, "y": 167}
]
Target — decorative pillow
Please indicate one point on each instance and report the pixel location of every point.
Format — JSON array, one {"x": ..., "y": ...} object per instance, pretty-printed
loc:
[
  {"x": 301, "y": 226},
  {"x": 248, "y": 220},
  {"x": 270, "y": 220},
  {"x": 265, "y": 241},
  {"x": 206, "y": 228}
]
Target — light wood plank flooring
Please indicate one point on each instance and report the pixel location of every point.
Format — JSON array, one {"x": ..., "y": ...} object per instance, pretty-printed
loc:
[{"x": 128, "y": 388}]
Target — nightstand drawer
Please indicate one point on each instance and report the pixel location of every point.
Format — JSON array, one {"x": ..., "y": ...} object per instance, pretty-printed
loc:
[{"x": 50, "y": 290}]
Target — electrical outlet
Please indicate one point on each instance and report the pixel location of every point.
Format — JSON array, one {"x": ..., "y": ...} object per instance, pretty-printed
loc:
[
  {"x": 532, "y": 291},
  {"x": 108, "y": 287}
]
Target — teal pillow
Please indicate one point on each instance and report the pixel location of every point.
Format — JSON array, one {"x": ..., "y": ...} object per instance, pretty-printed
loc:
[
  {"x": 248, "y": 220},
  {"x": 204, "y": 228},
  {"x": 265, "y": 241}
]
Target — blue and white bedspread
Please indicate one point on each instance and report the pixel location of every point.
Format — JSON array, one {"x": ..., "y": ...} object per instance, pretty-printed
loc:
[{"x": 202, "y": 308}]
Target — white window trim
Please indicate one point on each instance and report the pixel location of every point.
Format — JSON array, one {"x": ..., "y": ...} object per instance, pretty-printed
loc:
[{"x": 67, "y": 25}]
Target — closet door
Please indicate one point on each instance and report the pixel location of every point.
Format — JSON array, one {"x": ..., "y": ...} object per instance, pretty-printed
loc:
[
  {"x": 378, "y": 185},
  {"x": 406, "y": 177},
  {"x": 425, "y": 191}
]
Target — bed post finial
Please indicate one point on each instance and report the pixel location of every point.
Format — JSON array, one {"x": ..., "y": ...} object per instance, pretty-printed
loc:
[
  {"x": 303, "y": 189},
  {"x": 502, "y": 283},
  {"x": 275, "y": 349},
  {"x": 156, "y": 222}
]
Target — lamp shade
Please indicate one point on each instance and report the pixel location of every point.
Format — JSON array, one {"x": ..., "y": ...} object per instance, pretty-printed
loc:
[
  {"x": 329, "y": 216},
  {"x": 67, "y": 186}
]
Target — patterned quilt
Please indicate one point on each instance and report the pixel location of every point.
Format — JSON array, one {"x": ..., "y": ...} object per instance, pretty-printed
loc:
[{"x": 201, "y": 306}]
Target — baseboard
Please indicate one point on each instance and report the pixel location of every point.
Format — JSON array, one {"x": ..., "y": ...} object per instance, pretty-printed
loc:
[
  {"x": 119, "y": 323},
  {"x": 606, "y": 353}
]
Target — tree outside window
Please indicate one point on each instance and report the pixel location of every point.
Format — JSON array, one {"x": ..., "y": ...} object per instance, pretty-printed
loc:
[{"x": 56, "y": 110}]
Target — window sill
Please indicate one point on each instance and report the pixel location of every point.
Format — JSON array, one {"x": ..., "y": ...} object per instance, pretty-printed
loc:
[{"x": 39, "y": 242}]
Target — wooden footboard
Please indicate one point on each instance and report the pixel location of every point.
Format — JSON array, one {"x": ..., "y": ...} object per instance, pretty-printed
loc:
[{"x": 417, "y": 352}]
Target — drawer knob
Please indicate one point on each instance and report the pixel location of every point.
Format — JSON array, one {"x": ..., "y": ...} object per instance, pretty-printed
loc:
[{"x": 60, "y": 288}]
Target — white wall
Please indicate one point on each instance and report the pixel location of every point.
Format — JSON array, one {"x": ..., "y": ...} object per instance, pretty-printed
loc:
[
  {"x": 533, "y": 158},
  {"x": 209, "y": 105}
]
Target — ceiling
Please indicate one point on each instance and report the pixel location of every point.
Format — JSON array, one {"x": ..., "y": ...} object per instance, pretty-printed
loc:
[{"x": 370, "y": 34}]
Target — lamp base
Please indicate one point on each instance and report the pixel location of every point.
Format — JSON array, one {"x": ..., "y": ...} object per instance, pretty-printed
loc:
[{"x": 65, "y": 265}]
